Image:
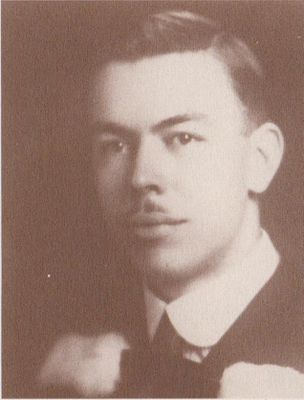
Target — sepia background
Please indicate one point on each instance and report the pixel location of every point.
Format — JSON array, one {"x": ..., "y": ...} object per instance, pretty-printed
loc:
[{"x": 54, "y": 281}]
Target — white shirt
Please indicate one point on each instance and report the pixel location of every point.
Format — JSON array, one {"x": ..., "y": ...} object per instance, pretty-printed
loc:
[{"x": 203, "y": 316}]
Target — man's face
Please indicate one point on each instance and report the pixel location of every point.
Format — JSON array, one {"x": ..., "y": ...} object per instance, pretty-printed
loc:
[{"x": 171, "y": 160}]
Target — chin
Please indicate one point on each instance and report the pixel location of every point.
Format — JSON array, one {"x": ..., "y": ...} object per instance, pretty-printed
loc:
[{"x": 168, "y": 264}]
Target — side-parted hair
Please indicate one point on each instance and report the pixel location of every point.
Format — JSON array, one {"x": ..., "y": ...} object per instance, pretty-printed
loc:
[{"x": 183, "y": 31}]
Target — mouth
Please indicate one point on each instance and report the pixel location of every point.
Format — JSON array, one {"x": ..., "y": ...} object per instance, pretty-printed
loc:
[{"x": 154, "y": 225}]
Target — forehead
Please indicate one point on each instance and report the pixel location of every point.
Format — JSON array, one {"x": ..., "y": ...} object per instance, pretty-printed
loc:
[{"x": 151, "y": 89}]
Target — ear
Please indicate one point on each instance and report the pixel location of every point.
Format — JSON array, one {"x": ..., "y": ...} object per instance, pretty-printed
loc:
[{"x": 266, "y": 153}]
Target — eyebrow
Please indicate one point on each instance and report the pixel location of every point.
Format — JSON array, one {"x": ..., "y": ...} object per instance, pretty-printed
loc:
[
  {"x": 177, "y": 119},
  {"x": 119, "y": 129},
  {"x": 112, "y": 127}
]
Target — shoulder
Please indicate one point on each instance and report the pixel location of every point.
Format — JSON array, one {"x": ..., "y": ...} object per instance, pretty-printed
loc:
[
  {"x": 278, "y": 315},
  {"x": 271, "y": 329}
]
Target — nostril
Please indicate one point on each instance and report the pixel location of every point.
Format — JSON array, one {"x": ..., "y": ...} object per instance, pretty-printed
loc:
[
  {"x": 147, "y": 173},
  {"x": 144, "y": 189},
  {"x": 144, "y": 177}
]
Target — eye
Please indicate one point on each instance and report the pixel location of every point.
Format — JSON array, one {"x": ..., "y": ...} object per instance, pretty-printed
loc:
[
  {"x": 183, "y": 138},
  {"x": 117, "y": 146},
  {"x": 112, "y": 146}
]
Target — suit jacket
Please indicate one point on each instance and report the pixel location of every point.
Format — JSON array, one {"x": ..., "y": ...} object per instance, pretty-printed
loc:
[{"x": 269, "y": 331}]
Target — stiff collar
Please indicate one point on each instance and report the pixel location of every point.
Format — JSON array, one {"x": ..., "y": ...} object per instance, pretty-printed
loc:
[{"x": 203, "y": 316}]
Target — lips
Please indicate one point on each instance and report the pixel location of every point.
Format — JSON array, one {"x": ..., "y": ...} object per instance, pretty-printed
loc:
[
  {"x": 152, "y": 219},
  {"x": 154, "y": 225}
]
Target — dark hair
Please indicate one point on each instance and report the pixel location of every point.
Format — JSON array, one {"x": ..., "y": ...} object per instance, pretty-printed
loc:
[{"x": 183, "y": 31}]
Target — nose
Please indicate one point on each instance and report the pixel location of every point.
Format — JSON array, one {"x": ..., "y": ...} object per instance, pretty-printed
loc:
[{"x": 149, "y": 171}]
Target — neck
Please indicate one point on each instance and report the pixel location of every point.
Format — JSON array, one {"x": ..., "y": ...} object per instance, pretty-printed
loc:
[{"x": 170, "y": 288}]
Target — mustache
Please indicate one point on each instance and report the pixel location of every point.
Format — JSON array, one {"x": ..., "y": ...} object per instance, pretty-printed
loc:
[
  {"x": 151, "y": 212},
  {"x": 149, "y": 205},
  {"x": 152, "y": 206}
]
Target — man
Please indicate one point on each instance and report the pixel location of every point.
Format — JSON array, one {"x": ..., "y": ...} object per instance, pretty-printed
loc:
[{"x": 183, "y": 145}]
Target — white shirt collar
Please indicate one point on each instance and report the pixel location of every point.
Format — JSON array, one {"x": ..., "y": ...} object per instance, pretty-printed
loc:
[{"x": 203, "y": 316}]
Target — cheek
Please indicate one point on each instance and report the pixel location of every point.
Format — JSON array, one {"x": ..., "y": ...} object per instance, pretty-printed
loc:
[
  {"x": 111, "y": 187},
  {"x": 215, "y": 182}
]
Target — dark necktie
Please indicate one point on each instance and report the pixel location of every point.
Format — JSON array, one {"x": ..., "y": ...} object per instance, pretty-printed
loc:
[
  {"x": 167, "y": 340},
  {"x": 159, "y": 370},
  {"x": 164, "y": 338}
]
